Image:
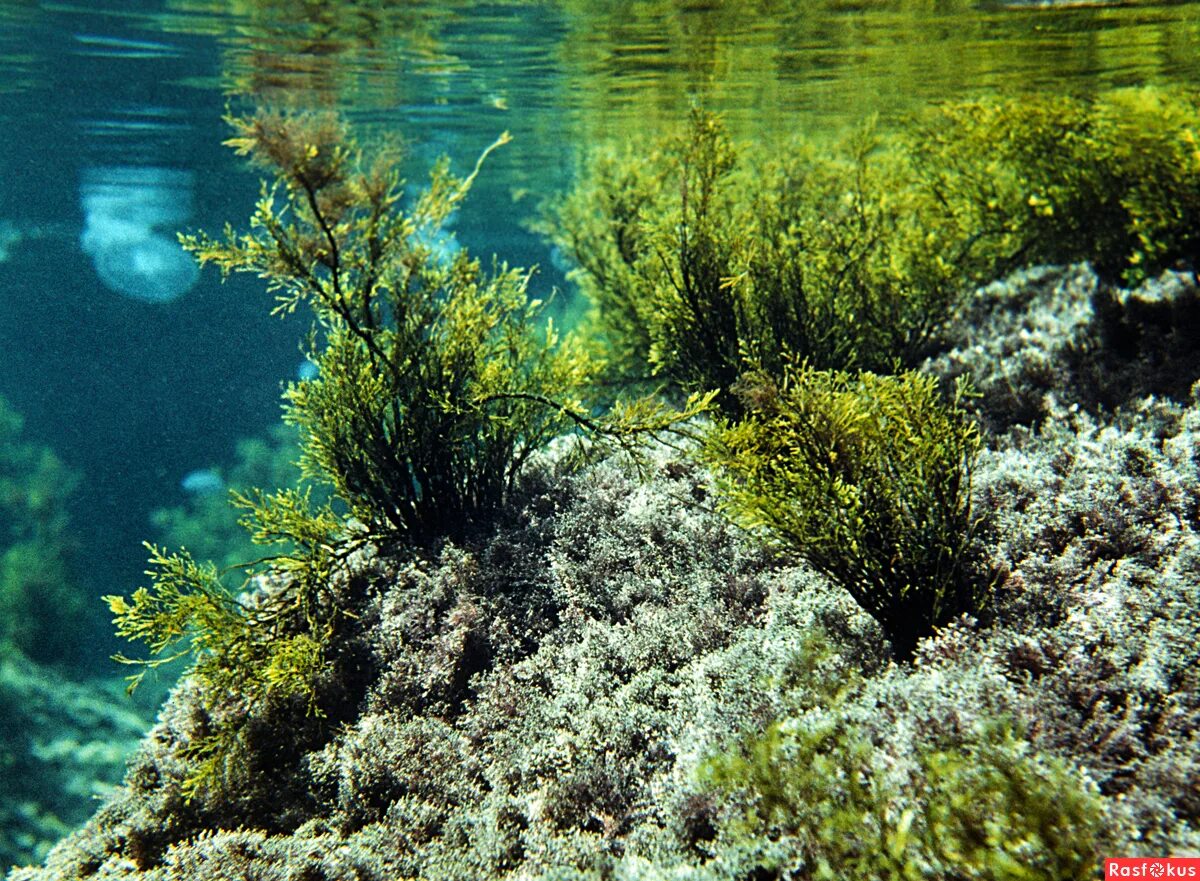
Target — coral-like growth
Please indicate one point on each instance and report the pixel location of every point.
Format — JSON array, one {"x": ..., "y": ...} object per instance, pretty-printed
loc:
[
  {"x": 1054, "y": 337},
  {"x": 868, "y": 478},
  {"x": 537, "y": 705}
]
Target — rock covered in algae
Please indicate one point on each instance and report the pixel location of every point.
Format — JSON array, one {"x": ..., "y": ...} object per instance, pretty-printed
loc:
[
  {"x": 63, "y": 745},
  {"x": 539, "y": 704}
]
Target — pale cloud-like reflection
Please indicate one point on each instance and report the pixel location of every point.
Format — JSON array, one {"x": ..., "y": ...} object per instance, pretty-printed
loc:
[{"x": 131, "y": 215}]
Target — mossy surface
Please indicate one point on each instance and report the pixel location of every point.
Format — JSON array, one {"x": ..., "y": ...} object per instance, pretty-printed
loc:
[
  {"x": 983, "y": 805},
  {"x": 542, "y": 704}
]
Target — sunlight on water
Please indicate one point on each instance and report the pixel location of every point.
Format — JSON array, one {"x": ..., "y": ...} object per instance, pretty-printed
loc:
[{"x": 586, "y": 68}]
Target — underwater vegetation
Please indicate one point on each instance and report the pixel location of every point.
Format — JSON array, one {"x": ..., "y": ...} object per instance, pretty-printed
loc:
[
  {"x": 1114, "y": 181},
  {"x": 43, "y": 611},
  {"x": 207, "y": 524},
  {"x": 866, "y": 476},
  {"x": 958, "y": 639},
  {"x": 436, "y": 380},
  {"x": 987, "y": 806},
  {"x": 435, "y": 385},
  {"x": 62, "y": 742},
  {"x": 130, "y": 219},
  {"x": 545, "y": 703},
  {"x": 702, "y": 256},
  {"x": 717, "y": 268}
]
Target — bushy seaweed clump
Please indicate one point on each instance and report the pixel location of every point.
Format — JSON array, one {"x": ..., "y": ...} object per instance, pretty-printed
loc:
[
  {"x": 702, "y": 256},
  {"x": 707, "y": 263},
  {"x": 437, "y": 381},
  {"x": 1041, "y": 179},
  {"x": 868, "y": 478},
  {"x": 819, "y": 802}
]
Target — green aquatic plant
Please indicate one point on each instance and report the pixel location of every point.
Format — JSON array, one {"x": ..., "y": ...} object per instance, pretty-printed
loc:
[
  {"x": 986, "y": 807},
  {"x": 1048, "y": 179},
  {"x": 248, "y": 650},
  {"x": 43, "y": 611},
  {"x": 437, "y": 382},
  {"x": 701, "y": 256},
  {"x": 868, "y": 478}
]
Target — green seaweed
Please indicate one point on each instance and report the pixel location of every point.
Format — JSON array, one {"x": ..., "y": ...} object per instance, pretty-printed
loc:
[
  {"x": 868, "y": 478},
  {"x": 702, "y": 257},
  {"x": 437, "y": 383},
  {"x": 985, "y": 807},
  {"x": 438, "y": 380},
  {"x": 42, "y": 608},
  {"x": 1047, "y": 179}
]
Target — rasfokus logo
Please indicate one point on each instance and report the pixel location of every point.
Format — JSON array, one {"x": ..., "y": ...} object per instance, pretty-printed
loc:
[{"x": 1152, "y": 867}]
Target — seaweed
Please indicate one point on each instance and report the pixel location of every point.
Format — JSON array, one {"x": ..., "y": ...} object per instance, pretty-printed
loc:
[
  {"x": 436, "y": 385},
  {"x": 868, "y": 478}
]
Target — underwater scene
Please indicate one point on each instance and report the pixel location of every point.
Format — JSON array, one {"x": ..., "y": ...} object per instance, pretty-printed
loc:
[{"x": 543, "y": 439}]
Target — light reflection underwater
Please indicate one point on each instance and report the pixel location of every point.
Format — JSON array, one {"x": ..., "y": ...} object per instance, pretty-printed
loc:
[{"x": 131, "y": 215}]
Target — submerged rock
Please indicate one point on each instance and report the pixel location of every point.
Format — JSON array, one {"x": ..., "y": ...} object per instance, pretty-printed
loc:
[
  {"x": 63, "y": 745},
  {"x": 1058, "y": 334},
  {"x": 539, "y": 703}
]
